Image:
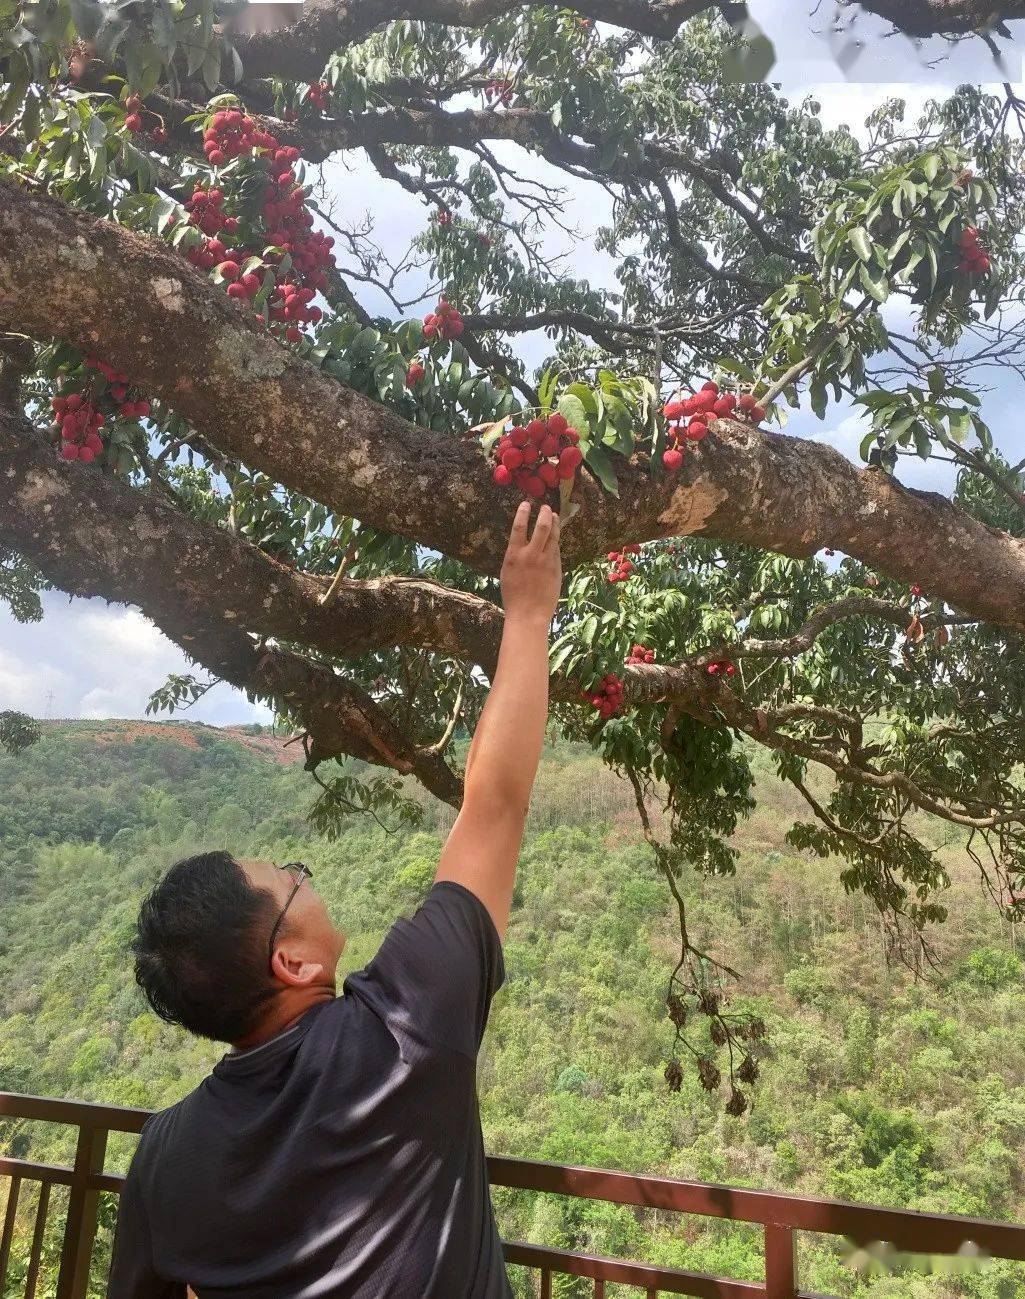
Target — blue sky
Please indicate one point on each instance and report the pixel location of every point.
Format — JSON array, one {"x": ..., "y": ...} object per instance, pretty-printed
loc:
[{"x": 90, "y": 659}]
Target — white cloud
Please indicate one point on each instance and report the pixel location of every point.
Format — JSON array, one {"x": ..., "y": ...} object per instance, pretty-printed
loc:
[
  {"x": 22, "y": 681},
  {"x": 127, "y": 632},
  {"x": 90, "y": 659}
]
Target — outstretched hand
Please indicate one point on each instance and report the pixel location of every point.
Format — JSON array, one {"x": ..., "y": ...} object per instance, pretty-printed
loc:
[{"x": 532, "y": 569}]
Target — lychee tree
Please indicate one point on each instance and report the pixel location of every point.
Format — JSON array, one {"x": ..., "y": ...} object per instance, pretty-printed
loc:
[{"x": 199, "y": 416}]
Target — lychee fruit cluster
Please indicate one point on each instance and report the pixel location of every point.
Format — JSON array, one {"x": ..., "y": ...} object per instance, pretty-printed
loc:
[
  {"x": 721, "y": 668},
  {"x": 537, "y": 455},
  {"x": 133, "y": 109},
  {"x": 414, "y": 374},
  {"x": 284, "y": 222},
  {"x": 206, "y": 210},
  {"x": 974, "y": 258},
  {"x": 687, "y": 418},
  {"x": 608, "y": 697},
  {"x": 622, "y": 565},
  {"x": 232, "y": 134},
  {"x": 640, "y": 654},
  {"x": 80, "y": 415},
  {"x": 443, "y": 217},
  {"x": 499, "y": 90},
  {"x": 80, "y": 424},
  {"x": 444, "y": 321},
  {"x": 319, "y": 95},
  {"x": 127, "y": 406}
]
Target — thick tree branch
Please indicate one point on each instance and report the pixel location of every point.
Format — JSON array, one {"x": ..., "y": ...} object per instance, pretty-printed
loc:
[
  {"x": 91, "y": 535},
  {"x": 299, "y": 52},
  {"x": 183, "y": 340},
  {"x": 945, "y": 17}
]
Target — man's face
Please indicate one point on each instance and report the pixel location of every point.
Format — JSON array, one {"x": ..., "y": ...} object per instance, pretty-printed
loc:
[{"x": 308, "y": 934}]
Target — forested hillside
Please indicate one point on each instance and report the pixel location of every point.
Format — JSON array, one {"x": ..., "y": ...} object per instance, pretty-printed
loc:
[{"x": 874, "y": 1087}]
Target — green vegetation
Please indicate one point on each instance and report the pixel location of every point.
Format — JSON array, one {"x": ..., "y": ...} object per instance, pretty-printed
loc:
[{"x": 874, "y": 1087}]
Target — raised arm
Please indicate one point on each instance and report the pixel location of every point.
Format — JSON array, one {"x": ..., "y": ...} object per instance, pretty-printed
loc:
[{"x": 483, "y": 847}]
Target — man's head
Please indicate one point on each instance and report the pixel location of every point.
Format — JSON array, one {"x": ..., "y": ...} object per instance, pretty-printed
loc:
[{"x": 202, "y": 952}]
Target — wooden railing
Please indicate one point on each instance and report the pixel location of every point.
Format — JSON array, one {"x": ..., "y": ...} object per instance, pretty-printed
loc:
[{"x": 779, "y": 1215}]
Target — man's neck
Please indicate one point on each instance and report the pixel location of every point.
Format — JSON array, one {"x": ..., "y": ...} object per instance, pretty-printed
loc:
[{"x": 282, "y": 1015}]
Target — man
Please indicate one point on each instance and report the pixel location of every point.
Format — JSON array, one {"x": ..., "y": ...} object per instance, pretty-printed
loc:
[{"x": 336, "y": 1150}]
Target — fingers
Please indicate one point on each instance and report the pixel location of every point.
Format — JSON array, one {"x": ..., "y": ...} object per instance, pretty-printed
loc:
[
  {"x": 518, "y": 536},
  {"x": 542, "y": 528},
  {"x": 547, "y": 528},
  {"x": 556, "y": 532}
]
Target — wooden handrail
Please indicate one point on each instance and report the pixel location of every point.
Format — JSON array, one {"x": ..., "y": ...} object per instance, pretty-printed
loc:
[{"x": 780, "y": 1213}]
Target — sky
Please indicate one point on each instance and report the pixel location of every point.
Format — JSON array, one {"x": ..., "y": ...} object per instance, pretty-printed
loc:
[
  {"x": 89, "y": 659},
  {"x": 839, "y": 41}
]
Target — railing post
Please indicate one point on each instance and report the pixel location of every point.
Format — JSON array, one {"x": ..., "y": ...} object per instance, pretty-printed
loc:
[
  {"x": 13, "y": 1191},
  {"x": 42, "y": 1205},
  {"x": 83, "y": 1202},
  {"x": 780, "y": 1262}
]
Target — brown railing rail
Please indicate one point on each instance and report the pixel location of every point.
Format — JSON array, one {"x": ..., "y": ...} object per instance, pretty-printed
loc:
[{"x": 780, "y": 1215}]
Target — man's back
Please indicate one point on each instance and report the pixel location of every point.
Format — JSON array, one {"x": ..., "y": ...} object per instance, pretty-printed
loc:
[{"x": 343, "y": 1157}]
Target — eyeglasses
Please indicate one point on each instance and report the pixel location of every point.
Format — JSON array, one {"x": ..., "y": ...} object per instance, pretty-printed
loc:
[{"x": 299, "y": 871}]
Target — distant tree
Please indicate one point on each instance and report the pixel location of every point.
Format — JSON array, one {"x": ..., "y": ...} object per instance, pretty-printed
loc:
[{"x": 17, "y": 731}]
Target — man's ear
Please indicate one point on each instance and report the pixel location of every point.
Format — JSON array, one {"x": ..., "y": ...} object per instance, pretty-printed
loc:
[{"x": 295, "y": 971}]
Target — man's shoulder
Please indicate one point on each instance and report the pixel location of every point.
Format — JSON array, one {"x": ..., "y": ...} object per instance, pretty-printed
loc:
[{"x": 161, "y": 1124}]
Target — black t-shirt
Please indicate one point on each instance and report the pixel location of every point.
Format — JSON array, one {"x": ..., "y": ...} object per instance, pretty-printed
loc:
[{"x": 343, "y": 1158}]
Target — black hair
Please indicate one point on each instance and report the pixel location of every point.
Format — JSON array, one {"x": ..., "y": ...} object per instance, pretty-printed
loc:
[{"x": 201, "y": 947}]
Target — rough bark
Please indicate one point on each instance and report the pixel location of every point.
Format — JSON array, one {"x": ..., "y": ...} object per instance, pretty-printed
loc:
[
  {"x": 91, "y": 535},
  {"x": 945, "y": 17},
  {"x": 299, "y": 52},
  {"x": 182, "y": 339},
  {"x": 203, "y": 563}
]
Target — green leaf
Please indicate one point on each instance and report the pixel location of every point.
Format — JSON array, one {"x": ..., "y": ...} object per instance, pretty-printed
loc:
[
  {"x": 560, "y": 654},
  {"x": 87, "y": 16},
  {"x": 572, "y": 407},
  {"x": 546, "y": 388},
  {"x": 96, "y": 145},
  {"x": 212, "y": 66},
  {"x": 874, "y": 283},
  {"x": 897, "y": 245},
  {"x": 867, "y": 442},
  {"x": 878, "y": 399},
  {"x": 599, "y": 461},
  {"x": 585, "y": 396},
  {"x": 20, "y": 75},
  {"x": 164, "y": 31},
  {"x": 134, "y": 62},
  {"x": 931, "y": 254},
  {"x": 860, "y": 242}
]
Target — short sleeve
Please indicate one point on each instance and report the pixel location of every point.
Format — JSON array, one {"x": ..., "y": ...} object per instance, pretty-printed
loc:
[{"x": 436, "y": 973}]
